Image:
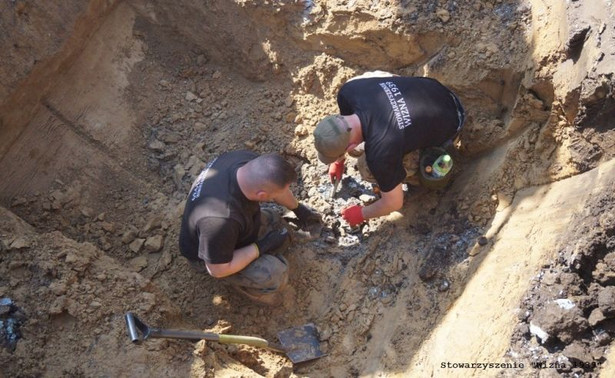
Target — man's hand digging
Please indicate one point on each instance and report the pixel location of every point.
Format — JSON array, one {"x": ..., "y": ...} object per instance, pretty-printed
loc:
[{"x": 306, "y": 216}]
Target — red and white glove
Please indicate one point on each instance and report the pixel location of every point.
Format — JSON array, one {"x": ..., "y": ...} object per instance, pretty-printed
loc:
[
  {"x": 336, "y": 170},
  {"x": 353, "y": 215}
]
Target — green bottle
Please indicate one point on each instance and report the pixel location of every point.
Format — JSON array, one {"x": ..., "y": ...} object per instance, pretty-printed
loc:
[{"x": 442, "y": 166}]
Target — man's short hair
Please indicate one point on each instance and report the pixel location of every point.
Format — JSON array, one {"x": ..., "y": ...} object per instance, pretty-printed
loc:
[{"x": 273, "y": 169}]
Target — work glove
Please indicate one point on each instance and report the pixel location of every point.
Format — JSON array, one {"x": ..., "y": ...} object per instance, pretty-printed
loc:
[
  {"x": 305, "y": 216},
  {"x": 353, "y": 215},
  {"x": 336, "y": 170},
  {"x": 272, "y": 241}
]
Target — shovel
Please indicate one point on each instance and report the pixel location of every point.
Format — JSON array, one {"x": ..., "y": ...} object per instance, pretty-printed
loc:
[{"x": 300, "y": 344}]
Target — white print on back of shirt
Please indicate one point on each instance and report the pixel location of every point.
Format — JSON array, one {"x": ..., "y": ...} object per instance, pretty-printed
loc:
[
  {"x": 398, "y": 104},
  {"x": 198, "y": 184}
]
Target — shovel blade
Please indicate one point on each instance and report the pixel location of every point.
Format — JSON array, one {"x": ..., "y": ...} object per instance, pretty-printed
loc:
[{"x": 301, "y": 343}]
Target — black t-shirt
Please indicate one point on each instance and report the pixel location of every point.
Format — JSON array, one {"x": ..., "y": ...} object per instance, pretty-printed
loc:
[
  {"x": 218, "y": 218},
  {"x": 398, "y": 115}
]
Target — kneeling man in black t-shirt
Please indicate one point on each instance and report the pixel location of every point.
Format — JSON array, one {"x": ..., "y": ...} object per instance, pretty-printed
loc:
[
  {"x": 394, "y": 117},
  {"x": 225, "y": 232}
]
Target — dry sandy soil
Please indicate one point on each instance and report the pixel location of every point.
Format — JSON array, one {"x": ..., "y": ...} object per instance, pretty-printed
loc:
[{"x": 109, "y": 109}]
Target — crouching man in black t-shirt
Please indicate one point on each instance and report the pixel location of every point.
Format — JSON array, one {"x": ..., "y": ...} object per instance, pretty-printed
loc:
[
  {"x": 224, "y": 231},
  {"x": 394, "y": 117}
]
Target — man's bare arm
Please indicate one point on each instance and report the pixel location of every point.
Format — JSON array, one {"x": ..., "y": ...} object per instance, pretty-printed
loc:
[
  {"x": 242, "y": 257},
  {"x": 390, "y": 201}
]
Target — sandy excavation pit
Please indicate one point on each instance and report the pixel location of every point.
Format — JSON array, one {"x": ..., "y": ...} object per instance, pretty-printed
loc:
[{"x": 110, "y": 109}]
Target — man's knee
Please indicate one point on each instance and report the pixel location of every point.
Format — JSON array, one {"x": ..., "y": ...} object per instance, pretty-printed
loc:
[
  {"x": 411, "y": 166},
  {"x": 364, "y": 171},
  {"x": 268, "y": 273},
  {"x": 270, "y": 269}
]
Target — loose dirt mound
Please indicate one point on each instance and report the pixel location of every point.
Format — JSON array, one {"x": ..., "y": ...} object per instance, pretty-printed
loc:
[
  {"x": 566, "y": 318},
  {"x": 110, "y": 109}
]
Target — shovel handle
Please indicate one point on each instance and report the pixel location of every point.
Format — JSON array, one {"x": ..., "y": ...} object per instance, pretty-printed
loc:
[
  {"x": 157, "y": 333},
  {"x": 133, "y": 329},
  {"x": 221, "y": 338},
  {"x": 247, "y": 340},
  {"x": 136, "y": 326}
]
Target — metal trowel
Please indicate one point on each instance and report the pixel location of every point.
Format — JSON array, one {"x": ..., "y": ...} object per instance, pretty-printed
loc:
[{"x": 335, "y": 183}]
